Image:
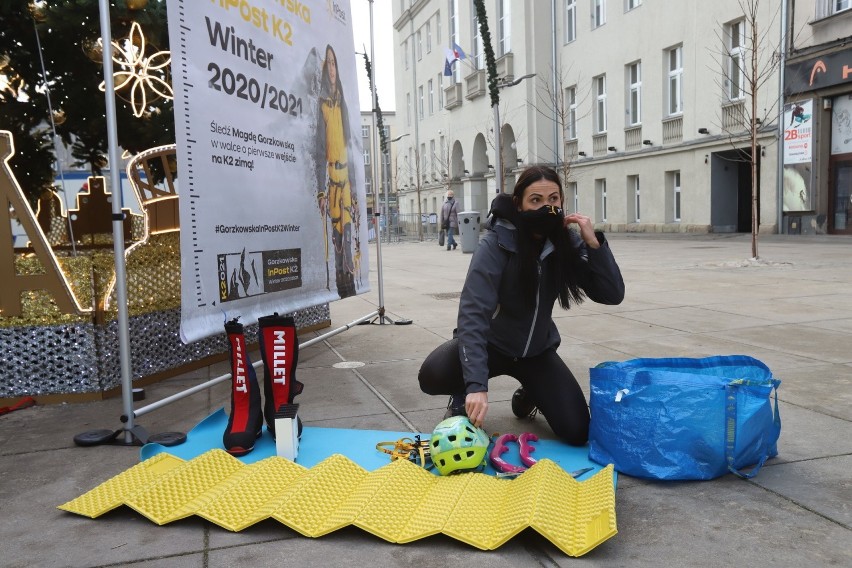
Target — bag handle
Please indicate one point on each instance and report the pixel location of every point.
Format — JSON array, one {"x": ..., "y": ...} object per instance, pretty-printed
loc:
[{"x": 731, "y": 429}]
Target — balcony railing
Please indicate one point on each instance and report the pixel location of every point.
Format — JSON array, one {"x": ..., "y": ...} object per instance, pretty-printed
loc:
[
  {"x": 673, "y": 130},
  {"x": 506, "y": 67},
  {"x": 452, "y": 96},
  {"x": 599, "y": 144},
  {"x": 633, "y": 138},
  {"x": 475, "y": 84},
  {"x": 733, "y": 116}
]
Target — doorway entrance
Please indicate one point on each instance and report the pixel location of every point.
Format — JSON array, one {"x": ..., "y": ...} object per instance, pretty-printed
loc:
[
  {"x": 730, "y": 201},
  {"x": 840, "y": 195}
]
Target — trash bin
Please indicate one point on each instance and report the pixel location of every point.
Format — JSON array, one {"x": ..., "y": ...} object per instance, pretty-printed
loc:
[{"x": 469, "y": 230}]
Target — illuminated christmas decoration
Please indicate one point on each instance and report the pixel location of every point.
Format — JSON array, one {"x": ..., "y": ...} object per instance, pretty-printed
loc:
[{"x": 142, "y": 75}]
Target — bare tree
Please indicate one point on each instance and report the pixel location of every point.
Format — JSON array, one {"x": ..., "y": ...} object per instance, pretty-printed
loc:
[
  {"x": 558, "y": 104},
  {"x": 750, "y": 60},
  {"x": 416, "y": 176}
]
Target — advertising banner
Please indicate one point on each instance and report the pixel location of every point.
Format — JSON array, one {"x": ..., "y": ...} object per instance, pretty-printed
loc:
[
  {"x": 272, "y": 204},
  {"x": 798, "y": 155}
]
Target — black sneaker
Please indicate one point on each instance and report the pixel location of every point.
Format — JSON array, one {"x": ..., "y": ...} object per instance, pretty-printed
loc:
[
  {"x": 456, "y": 406},
  {"x": 522, "y": 406}
]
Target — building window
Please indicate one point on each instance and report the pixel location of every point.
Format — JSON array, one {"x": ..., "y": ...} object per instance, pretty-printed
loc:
[
  {"x": 676, "y": 191},
  {"x": 735, "y": 79},
  {"x": 420, "y": 101},
  {"x": 423, "y": 159},
  {"x": 573, "y": 196},
  {"x": 408, "y": 109},
  {"x": 440, "y": 94},
  {"x": 431, "y": 98},
  {"x": 432, "y": 157},
  {"x": 454, "y": 35},
  {"x": 419, "y": 45},
  {"x": 405, "y": 51},
  {"x": 600, "y": 104},
  {"x": 600, "y": 191},
  {"x": 365, "y": 131},
  {"x": 634, "y": 190},
  {"x": 366, "y": 155},
  {"x": 571, "y": 117},
  {"x": 570, "y": 20},
  {"x": 478, "y": 47},
  {"x": 429, "y": 37},
  {"x": 505, "y": 26},
  {"x": 842, "y": 5},
  {"x": 634, "y": 93},
  {"x": 630, "y": 4},
  {"x": 598, "y": 13},
  {"x": 438, "y": 28},
  {"x": 675, "y": 79}
]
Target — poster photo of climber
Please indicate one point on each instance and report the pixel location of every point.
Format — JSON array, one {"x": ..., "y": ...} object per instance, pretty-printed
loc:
[{"x": 272, "y": 205}]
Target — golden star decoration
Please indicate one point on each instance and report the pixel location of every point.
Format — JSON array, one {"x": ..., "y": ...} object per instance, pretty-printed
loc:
[{"x": 138, "y": 72}]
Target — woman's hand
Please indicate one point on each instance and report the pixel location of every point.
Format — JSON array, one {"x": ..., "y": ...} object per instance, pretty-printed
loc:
[
  {"x": 476, "y": 406},
  {"x": 587, "y": 228}
]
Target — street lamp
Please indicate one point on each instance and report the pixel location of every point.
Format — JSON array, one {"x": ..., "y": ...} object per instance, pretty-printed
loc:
[{"x": 498, "y": 134}]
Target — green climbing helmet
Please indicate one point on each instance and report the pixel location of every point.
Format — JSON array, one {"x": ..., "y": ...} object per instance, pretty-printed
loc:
[{"x": 458, "y": 446}]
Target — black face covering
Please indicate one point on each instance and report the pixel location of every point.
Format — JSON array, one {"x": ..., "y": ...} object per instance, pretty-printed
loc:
[{"x": 545, "y": 221}]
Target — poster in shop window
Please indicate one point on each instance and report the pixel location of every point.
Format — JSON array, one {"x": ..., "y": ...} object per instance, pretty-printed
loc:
[
  {"x": 272, "y": 205},
  {"x": 798, "y": 155},
  {"x": 841, "y": 125}
]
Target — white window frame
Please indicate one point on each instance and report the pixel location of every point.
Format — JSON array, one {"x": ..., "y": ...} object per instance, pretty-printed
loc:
[
  {"x": 676, "y": 203},
  {"x": 599, "y": 83},
  {"x": 504, "y": 26},
  {"x": 478, "y": 56},
  {"x": 570, "y": 20},
  {"x": 365, "y": 131},
  {"x": 571, "y": 118},
  {"x": 431, "y": 98},
  {"x": 598, "y": 13},
  {"x": 573, "y": 188},
  {"x": 429, "y": 37},
  {"x": 454, "y": 35},
  {"x": 438, "y": 27},
  {"x": 405, "y": 51},
  {"x": 674, "y": 81},
  {"x": 636, "y": 200},
  {"x": 419, "y": 44},
  {"x": 432, "y": 156},
  {"x": 634, "y": 93},
  {"x": 420, "y": 102},
  {"x": 408, "y": 109},
  {"x": 840, "y": 6},
  {"x": 366, "y": 155},
  {"x": 600, "y": 190},
  {"x": 735, "y": 79},
  {"x": 631, "y": 4},
  {"x": 440, "y": 92}
]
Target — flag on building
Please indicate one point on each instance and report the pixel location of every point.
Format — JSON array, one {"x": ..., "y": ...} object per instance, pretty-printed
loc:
[{"x": 452, "y": 55}]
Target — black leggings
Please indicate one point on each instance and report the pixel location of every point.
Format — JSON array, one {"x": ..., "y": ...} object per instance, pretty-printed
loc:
[{"x": 547, "y": 379}]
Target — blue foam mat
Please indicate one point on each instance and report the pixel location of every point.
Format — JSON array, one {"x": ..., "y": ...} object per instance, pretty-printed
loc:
[{"x": 317, "y": 444}]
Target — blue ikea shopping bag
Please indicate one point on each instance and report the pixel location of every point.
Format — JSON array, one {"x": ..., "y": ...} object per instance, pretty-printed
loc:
[{"x": 681, "y": 418}]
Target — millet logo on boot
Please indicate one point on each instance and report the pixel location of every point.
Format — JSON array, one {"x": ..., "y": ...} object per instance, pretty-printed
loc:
[
  {"x": 279, "y": 357},
  {"x": 239, "y": 365}
]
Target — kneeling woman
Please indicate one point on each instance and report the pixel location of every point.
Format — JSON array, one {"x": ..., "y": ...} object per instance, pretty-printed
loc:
[{"x": 525, "y": 262}]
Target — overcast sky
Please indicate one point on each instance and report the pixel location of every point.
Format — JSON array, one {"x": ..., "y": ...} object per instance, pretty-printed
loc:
[{"x": 382, "y": 46}]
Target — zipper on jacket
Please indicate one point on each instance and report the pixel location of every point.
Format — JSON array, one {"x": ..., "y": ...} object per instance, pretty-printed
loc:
[{"x": 535, "y": 315}]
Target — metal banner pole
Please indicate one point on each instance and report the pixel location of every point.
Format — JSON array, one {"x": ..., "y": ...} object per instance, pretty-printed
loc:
[{"x": 117, "y": 223}]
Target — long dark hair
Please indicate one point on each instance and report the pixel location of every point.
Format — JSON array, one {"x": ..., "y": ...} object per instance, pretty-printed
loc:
[
  {"x": 326, "y": 88},
  {"x": 565, "y": 259}
]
